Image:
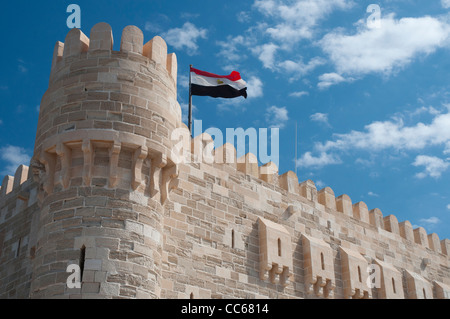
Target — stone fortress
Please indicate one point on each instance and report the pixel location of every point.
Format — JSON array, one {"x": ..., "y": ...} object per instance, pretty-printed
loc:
[{"x": 104, "y": 192}]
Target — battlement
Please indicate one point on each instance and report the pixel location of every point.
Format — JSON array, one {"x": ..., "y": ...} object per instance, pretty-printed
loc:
[
  {"x": 17, "y": 193},
  {"x": 94, "y": 87},
  {"x": 12, "y": 185},
  {"x": 289, "y": 182},
  {"x": 101, "y": 41}
]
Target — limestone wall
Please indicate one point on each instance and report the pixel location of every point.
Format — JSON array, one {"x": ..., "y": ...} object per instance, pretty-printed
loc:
[
  {"x": 107, "y": 191},
  {"x": 218, "y": 220},
  {"x": 18, "y": 211},
  {"x": 103, "y": 162}
]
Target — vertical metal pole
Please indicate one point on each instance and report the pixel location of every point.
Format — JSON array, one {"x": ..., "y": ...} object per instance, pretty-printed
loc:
[
  {"x": 296, "y": 142},
  {"x": 190, "y": 102}
]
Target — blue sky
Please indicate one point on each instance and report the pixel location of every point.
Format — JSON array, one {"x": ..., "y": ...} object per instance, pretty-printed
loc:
[{"x": 372, "y": 104}]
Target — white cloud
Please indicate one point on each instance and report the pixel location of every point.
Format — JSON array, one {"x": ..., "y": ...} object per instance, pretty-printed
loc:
[
  {"x": 189, "y": 15},
  {"x": 430, "y": 221},
  {"x": 421, "y": 110},
  {"x": 287, "y": 23},
  {"x": 265, "y": 6},
  {"x": 365, "y": 162},
  {"x": 434, "y": 166},
  {"x": 243, "y": 17},
  {"x": 183, "y": 81},
  {"x": 321, "y": 118},
  {"x": 152, "y": 27},
  {"x": 229, "y": 49},
  {"x": 382, "y": 50},
  {"x": 448, "y": 206},
  {"x": 299, "y": 68},
  {"x": 22, "y": 69},
  {"x": 373, "y": 194},
  {"x": 185, "y": 37},
  {"x": 445, "y": 4},
  {"x": 21, "y": 66},
  {"x": 254, "y": 87},
  {"x": 297, "y": 20},
  {"x": 308, "y": 160},
  {"x": 266, "y": 54},
  {"x": 277, "y": 116},
  {"x": 328, "y": 79},
  {"x": 447, "y": 148},
  {"x": 299, "y": 94},
  {"x": 156, "y": 22},
  {"x": 393, "y": 134},
  {"x": 320, "y": 184},
  {"x": 14, "y": 156}
]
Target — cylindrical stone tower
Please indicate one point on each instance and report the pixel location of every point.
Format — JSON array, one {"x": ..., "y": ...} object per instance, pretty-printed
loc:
[{"x": 102, "y": 159}]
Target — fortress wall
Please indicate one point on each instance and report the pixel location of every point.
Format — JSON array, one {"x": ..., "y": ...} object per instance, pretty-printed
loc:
[
  {"x": 212, "y": 239},
  {"x": 109, "y": 193},
  {"x": 18, "y": 211}
]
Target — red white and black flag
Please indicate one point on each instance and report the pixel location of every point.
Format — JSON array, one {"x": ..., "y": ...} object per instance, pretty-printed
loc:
[{"x": 224, "y": 86}]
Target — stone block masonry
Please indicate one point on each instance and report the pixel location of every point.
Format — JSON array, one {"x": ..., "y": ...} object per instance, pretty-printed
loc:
[{"x": 103, "y": 192}]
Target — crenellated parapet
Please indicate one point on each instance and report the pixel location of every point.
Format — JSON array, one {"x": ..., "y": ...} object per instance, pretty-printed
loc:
[
  {"x": 99, "y": 100},
  {"x": 18, "y": 213},
  {"x": 383, "y": 235},
  {"x": 77, "y": 46},
  {"x": 342, "y": 205},
  {"x": 19, "y": 189},
  {"x": 94, "y": 87}
]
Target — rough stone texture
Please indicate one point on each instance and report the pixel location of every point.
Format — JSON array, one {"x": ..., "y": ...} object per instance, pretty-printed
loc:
[{"x": 104, "y": 190}]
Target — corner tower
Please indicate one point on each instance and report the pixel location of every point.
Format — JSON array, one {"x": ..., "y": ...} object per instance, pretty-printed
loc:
[{"x": 103, "y": 164}]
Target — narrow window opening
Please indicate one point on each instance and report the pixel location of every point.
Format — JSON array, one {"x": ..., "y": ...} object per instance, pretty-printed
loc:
[
  {"x": 322, "y": 261},
  {"x": 232, "y": 238},
  {"x": 424, "y": 294},
  {"x": 82, "y": 259},
  {"x": 393, "y": 285},
  {"x": 18, "y": 247},
  {"x": 1, "y": 243},
  {"x": 359, "y": 274},
  {"x": 191, "y": 296},
  {"x": 279, "y": 247}
]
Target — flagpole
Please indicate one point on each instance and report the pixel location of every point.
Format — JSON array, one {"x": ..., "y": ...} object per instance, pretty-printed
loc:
[
  {"x": 296, "y": 144},
  {"x": 190, "y": 102}
]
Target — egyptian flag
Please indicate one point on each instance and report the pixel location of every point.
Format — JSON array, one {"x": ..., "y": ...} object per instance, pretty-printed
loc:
[{"x": 225, "y": 86}]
